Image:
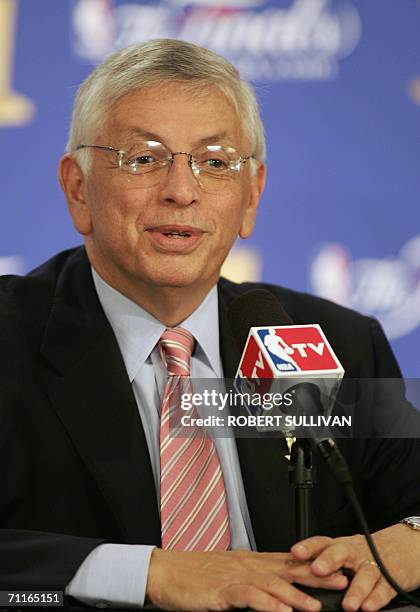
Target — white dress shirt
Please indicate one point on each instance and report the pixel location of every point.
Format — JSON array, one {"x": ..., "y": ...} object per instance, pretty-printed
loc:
[{"x": 117, "y": 573}]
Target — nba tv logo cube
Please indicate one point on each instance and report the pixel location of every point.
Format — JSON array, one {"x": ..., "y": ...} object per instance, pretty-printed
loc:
[
  {"x": 288, "y": 351},
  {"x": 275, "y": 359}
]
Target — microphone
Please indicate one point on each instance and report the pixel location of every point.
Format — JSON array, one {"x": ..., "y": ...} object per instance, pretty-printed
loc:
[
  {"x": 256, "y": 316},
  {"x": 295, "y": 360}
]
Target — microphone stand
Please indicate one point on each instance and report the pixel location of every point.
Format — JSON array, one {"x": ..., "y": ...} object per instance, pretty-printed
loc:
[{"x": 302, "y": 479}]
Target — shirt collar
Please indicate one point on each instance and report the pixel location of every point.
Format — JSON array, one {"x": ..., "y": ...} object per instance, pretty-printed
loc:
[{"x": 137, "y": 331}]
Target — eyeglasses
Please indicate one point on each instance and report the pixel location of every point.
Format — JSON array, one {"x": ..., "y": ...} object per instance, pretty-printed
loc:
[{"x": 214, "y": 166}]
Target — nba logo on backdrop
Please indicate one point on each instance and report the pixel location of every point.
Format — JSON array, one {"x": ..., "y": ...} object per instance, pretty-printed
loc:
[
  {"x": 385, "y": 287},
  {"x": 266, "y": 40}
]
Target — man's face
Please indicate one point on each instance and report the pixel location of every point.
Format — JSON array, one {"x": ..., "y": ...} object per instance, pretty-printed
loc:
[{"x": 128, "y": 227}]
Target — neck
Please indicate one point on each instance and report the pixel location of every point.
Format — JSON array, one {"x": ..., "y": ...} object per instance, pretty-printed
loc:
[{"x": 169, "y": 305}]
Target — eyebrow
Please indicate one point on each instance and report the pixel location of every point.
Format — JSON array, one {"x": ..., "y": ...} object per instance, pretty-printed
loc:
[
  {"x": 135, "y": 131},
  {"x": 139, "y": 132}
]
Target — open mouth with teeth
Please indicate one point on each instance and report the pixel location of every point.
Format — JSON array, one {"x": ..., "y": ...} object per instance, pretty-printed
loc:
[
  {"x": 175, "y": 239},
  {"x": 177, "y": 234}
]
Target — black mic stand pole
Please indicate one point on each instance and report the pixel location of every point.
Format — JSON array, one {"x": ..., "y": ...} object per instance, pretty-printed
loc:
[{"x": 302, "y": 479}]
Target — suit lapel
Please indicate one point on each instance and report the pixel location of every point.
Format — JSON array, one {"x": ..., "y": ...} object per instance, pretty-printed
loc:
[
  {"x": 263, "y": 465},
  {"x": 92, "y": 396}
]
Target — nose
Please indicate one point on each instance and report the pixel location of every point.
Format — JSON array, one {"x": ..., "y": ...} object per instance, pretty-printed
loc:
[{"x": 180, "y": 186}]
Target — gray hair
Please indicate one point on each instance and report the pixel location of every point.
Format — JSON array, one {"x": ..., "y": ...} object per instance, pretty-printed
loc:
[{"x": 153, "y": 62}]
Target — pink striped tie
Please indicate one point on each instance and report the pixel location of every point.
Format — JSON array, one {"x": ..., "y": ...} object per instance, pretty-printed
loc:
[{"x": 193, "y": 508}]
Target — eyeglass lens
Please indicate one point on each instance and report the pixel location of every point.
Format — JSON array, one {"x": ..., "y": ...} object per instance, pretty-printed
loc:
[{"x": 214, "y": 166}]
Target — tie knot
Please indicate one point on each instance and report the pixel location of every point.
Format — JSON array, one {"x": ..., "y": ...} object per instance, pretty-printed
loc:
[{"x": 176, "y": 346}]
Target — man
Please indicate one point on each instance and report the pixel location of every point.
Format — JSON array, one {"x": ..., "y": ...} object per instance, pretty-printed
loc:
[{"x": 165, "y": 168}]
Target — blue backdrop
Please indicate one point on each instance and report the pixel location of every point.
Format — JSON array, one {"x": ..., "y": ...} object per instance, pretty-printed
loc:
[{"x": 339, "y": 85}]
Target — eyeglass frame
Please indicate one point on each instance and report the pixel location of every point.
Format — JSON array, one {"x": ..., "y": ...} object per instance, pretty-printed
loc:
[{"x": 195, "y": 170}]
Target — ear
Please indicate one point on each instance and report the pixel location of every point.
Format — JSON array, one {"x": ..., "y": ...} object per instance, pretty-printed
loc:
[
  {"x": 73, "y": 183},
  {"x": 256, "y": 189}
]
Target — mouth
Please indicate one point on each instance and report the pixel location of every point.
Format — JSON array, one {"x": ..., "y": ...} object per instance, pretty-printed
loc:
[
  {"x": 177, "y": 234},
  {"x": 175, "y": 238}
]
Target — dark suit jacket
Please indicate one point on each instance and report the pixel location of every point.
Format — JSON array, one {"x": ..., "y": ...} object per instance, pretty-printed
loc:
[{"x": 75, "y": 470}]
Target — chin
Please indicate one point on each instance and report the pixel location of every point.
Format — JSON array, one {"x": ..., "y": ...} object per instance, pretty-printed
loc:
[
  {"x": 179, "y": 278},
  {"x": 174, "y": 281}
]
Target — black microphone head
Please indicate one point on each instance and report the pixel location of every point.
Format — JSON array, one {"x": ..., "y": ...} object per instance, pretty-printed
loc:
[{"x": 257, "y": 308}]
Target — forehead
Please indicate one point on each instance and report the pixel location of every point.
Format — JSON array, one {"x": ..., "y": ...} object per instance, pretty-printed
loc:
[{"x": 179, "y": 115}]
